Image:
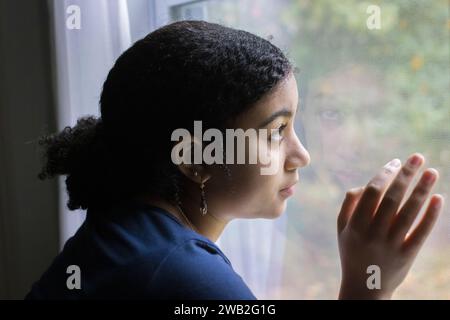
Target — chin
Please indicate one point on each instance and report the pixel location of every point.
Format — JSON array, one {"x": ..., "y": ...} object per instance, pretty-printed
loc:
[{"x": 276, "y": 211}]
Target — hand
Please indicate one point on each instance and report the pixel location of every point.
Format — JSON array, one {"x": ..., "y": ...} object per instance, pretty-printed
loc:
[{"x": 373, "y": 228}]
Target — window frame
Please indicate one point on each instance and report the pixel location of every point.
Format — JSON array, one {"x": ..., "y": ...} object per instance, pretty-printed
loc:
[{"x": 160, "y": 14}]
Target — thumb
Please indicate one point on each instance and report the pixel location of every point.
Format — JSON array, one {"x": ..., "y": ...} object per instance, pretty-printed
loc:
[{"x": 348, "y": 206}]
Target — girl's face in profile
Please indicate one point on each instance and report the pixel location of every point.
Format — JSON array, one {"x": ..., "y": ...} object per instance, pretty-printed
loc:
[{"x": 249, "y": 193}]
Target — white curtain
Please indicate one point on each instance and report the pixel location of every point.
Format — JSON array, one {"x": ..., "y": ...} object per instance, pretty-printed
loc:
[
  {"x": 256, "y": 250},
  {"x": 83, "y": 58}
]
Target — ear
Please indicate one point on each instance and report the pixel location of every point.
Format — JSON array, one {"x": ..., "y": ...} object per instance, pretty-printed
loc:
[{"x": 195, "y": 172}]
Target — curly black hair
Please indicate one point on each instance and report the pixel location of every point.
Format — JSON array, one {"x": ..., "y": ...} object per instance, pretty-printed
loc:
[{"x": 184, "y": 71}]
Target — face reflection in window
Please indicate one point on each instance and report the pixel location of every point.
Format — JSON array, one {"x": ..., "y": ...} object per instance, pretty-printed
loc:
[{"x": 343, "y": 103}]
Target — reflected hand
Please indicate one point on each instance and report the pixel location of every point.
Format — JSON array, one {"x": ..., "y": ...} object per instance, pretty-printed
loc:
[{"x": 373, "y": 228}]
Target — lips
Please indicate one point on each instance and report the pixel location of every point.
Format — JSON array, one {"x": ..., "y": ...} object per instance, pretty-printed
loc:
[
  {"x": 290, "y": 186},
  {"x": 289, "y": 190}
]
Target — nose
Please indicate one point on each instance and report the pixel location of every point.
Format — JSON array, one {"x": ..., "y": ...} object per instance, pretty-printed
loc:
[{"x": 297, "y": 156}]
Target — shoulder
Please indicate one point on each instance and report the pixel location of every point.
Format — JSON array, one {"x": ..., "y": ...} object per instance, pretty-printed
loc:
[{"x": 198, "y": 269}]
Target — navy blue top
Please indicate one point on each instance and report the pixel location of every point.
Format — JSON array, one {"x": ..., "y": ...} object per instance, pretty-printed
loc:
[{"x": 138, "y": 251}]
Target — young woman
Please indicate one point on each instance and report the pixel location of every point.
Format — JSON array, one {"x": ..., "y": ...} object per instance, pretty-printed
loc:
[{"x": 152, "y": 225}]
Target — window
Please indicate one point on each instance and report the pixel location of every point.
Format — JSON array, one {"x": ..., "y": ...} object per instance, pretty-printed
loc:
[{"x": 368, "y": 96}]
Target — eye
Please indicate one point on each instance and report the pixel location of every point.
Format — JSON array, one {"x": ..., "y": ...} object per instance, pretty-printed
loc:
[
  {"x": 277, "y": 134},
  {"x": 330, "y": 115}
]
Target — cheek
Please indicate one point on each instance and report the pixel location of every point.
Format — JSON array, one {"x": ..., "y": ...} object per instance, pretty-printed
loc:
[
  {"x": 258, "y": 194},
  {"x": 250, "y": 194},
  {"x": 331, "y": 138},
  {"x": 248, "y": 180}
]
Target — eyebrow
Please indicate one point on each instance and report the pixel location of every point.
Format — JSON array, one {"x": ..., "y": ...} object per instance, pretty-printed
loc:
[{"x": 280, "y": 113}]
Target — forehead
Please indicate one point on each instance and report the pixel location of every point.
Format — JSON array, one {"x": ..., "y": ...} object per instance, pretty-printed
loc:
[{"x": 283, "y": 95}]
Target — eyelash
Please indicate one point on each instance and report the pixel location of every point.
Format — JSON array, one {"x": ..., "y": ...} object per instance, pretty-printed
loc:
[{"x": 281, "y": 128}]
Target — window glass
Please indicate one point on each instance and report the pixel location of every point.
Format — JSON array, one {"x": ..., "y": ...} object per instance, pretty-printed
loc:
[{"x": 367, "y": 95}]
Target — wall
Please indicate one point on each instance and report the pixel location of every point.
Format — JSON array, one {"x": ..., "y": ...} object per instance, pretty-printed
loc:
[{"x": 28, "y": 206}]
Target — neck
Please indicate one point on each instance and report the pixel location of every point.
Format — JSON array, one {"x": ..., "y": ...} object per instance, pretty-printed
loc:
[{"x": 208, "y": 225}]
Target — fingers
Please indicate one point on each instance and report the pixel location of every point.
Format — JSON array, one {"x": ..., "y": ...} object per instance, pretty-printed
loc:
[
  {"x": 408, "y": 213},
  {"x": 417, "y": 237},
  {"x": 395, "y": 194},
  {"x": 348, "y": 206},
  {"x": 372, "y": 195}
]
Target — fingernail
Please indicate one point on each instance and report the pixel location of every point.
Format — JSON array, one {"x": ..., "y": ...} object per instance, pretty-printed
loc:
[
  {"x": 395, "y": 163},
  {"x": 437, "y": 204},
  {"x": 429, "y": 176},
  {"x": 414, "y": 160}
]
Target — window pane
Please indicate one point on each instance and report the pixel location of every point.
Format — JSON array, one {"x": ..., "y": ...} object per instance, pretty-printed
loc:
[{"x": 367, "y": 96}]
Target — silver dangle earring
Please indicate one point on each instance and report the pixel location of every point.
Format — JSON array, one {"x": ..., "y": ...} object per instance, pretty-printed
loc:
[{"x": 203, "y": 205}]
